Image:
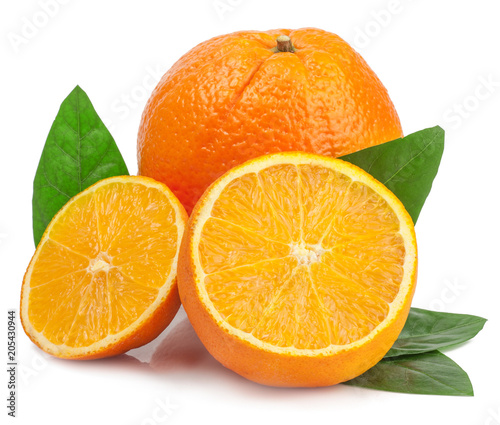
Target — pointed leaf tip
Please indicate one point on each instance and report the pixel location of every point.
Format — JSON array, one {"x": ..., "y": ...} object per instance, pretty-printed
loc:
[
  {"x": 407, "y": 166},
  {"x": 78, "y": 152}
]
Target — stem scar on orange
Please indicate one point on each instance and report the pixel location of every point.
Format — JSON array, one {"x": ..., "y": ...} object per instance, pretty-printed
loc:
[
  {"x": 298, "y": 270},
  {"x": 250, "y": 93}
]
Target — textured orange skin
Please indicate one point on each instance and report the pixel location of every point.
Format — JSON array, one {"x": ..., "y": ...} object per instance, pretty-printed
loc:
[
  {"x": 149, "y": 329},
  {"x": 269, "y": 368},
  {"x": 232, "y": 98}
]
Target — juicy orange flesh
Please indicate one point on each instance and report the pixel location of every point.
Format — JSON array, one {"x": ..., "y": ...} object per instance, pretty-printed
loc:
[
  {"x": 301, "y": 256},
  {"x": 103, "y": 263}
]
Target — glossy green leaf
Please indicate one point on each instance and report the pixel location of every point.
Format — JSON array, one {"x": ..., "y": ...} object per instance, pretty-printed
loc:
[
  {"x": 427, "y": 330},
  {"x": 407, "y": 166},
  {"x": 79, "y": 151},
  {"x": 427, "y": 373}
]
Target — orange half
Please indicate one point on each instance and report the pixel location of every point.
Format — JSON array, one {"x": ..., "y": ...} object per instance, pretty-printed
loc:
[
  {"x": 298, "y": 270},
  {"x": 103, "y": 277}
]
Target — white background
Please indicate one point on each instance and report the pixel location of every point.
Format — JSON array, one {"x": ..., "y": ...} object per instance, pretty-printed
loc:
[{"x": 434, "y": 57}]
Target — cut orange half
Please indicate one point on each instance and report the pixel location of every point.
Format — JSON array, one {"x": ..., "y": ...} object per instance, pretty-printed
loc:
[
  {"x": 103, "y": 277},
  {"x": 298, "y": 270}
]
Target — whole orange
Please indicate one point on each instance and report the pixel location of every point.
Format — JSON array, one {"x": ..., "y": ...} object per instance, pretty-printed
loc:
[{"x": 250, "y": 93}]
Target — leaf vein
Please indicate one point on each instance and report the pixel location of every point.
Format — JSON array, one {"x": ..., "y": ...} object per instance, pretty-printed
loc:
[{"x": 413, "y": 157}]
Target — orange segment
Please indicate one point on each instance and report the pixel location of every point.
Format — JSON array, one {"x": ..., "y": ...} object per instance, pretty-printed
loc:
[
  {"x": 285, "y": 201},
  {"x": 245, "y": 203},
  {"x": 321, "y": 192},
  {"x": 242, "y": 295},
  {"x": 61, "y": 293},
  {"x": 128, "y": 299},
  {"x": 103, "y": 278},
  {"x": 226, "y": 245},
  {"x": 92, "y": 315},
  {"x": 331, "y": 289},
  {"x": 57, "y": 261},
  {"x": 352, "y": 309},
  {"x": 81, "y": 217},
  {"x": 296, "y": 298}
]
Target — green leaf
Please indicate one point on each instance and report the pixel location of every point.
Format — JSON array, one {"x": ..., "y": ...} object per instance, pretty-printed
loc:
[
  {"x": 407, "y": 166},
  {"x": 427, "y": 373},
  {"x": 427, "y": 330},
  {"x": 79, "y": 151}
]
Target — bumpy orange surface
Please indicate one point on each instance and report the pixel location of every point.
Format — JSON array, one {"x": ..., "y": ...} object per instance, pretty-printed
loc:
[
  {"x": 298, "y": 270},
  {"x": 235, "y": 97},
  {"x": 103, "y": 277}
]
